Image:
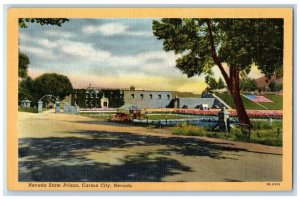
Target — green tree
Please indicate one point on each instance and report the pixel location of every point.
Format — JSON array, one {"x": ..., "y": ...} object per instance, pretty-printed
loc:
[
  {"x": 211, "y": 82},
  {"x": 54, "y": 84},
  {"x": 23, "y": 65},
  {"x": 26, "y": 89},
  {"x": 275, "y": 87},
  {"x": 238, "y": 43},
  {"x": 221, "y": 84},
  {"x": 248, "y": 85}
]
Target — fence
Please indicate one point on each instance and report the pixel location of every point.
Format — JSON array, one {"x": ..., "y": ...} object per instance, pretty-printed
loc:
[
  {"x": 70, "y": 109},
  {"x": 174, "y": 122}
]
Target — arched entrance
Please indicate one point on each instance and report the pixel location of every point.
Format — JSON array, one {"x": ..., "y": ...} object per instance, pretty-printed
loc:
[
  {"x": 104, "y": 102},
  {"x": 52, "y": 98}
]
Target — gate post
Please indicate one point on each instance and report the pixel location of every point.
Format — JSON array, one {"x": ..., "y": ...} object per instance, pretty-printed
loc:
[
  {"x": 57, "y": 107},
  {"x": 223, "y": 121},
  {"x": 40, "y": 106}
]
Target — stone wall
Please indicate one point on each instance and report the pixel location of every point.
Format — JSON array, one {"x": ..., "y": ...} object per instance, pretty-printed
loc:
[{"x": 148, "y": 99}]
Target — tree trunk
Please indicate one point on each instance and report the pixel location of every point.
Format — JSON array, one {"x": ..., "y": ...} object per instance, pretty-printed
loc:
[
  {"x": 232, "y": 81},
  {"x": 234, "y": 88}
]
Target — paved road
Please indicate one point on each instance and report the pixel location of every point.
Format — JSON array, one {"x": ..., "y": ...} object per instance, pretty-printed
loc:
[{"x": 65, "y": 147}]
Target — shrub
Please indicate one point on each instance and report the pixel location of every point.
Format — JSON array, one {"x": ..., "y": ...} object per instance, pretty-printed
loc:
[
  {"x": 31, "y": 110},
  {"x": 274, "y": 86},
  {"x": 188, "y": 129},
  {"x": 271, "y": 137}
]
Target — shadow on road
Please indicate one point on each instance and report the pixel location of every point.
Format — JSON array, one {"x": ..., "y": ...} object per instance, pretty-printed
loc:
[{"x": 55, "y": 158}]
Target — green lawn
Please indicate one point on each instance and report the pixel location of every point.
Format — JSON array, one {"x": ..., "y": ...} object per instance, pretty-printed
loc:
[
  {"x": 31, "y": 110},
  {"x": 249, "y": 105},
  {"x": 101, "y": 116},
  {"x": 276, "y": 104}
]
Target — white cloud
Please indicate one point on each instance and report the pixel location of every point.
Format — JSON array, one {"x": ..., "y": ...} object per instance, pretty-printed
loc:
[
  {"x": 72, "y": 53},
  {"x": 109, "y": 29},
  {"x": 23, "y": 36},
  {"x": 106, "y": 29},
  {"x": 59, "y": 33},
  {"x": 84, "y": 51},
  {"x": 38, "y": 52},
  {"x": 47, "y": 43}
]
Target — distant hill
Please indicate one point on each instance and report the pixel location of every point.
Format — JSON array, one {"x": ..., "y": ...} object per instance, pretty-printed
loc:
[
  {"x": 263, "y": 82},
  {"x": 185, "y": 94}
]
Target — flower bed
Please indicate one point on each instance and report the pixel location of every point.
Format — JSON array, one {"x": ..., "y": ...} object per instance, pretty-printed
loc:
[
  {"x": 97, "y": 110},
  {"x": 197, "y": 112},
  {"x": 261, "y": 114},
  {"x": 121, "y": 117},
  {"x": 251, "y": 113}
]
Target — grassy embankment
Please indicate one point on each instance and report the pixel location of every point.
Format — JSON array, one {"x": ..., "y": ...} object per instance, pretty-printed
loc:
[
  {"x": 250, "y": 105},
  {"x": 261, "y": 133}
]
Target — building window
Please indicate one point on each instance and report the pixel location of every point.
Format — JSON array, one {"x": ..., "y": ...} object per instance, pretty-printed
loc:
[
  {"x": 132, "y": 95},
  {"x": 142, "y": 96},
  {"x": 159, "y": 96},
  {"x": 150, "y": 96},
  {"x": 168, "y": 96}
]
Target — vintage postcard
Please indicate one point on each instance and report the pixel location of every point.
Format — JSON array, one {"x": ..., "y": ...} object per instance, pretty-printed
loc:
[{"x": 149, "y": 99}]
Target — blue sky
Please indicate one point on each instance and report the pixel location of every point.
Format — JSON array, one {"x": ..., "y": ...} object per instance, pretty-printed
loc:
[{"x": 105, "y": 53}]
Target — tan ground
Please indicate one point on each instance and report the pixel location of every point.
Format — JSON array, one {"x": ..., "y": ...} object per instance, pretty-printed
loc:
[{"x": 66, "y": 147}]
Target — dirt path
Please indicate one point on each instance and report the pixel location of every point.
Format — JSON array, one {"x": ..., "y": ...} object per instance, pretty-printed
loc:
[{"x": 77, "y": 148}]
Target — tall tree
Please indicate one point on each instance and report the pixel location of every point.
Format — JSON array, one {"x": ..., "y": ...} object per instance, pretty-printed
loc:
[
  {"x": 26, "y": 89},
  {"x": 54, "y": 84},
  {"x": 23, "y": 65},
  {"x": 235, "y": 43}
]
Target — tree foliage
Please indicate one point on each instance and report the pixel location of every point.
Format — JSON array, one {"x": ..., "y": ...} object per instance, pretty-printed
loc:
[
  {"x": 54, "y": 84},
  {"x": 213, "y": 84},
  {"x": 26, "y": 89},
  {"x": 49, "y": 83},
  {"x": 275, "y": 87},
  {"x": 248, "y": 85},
  {"x": 23, "y": 65},
  {"x": 221, "y": 84},
  {"x": 23, "y": 22},
  {"x": 240, "y": 43}
]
